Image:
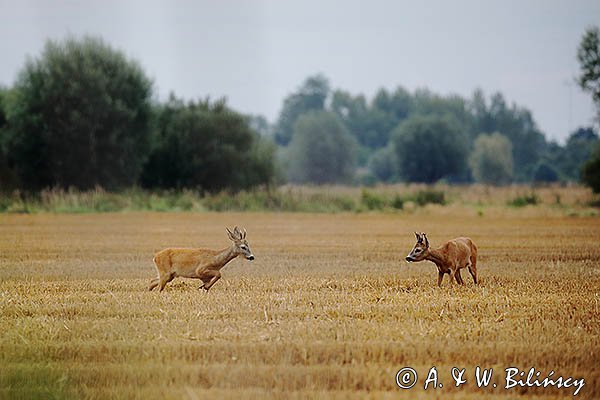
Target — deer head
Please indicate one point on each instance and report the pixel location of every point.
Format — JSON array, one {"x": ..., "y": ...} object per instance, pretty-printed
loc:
[
  {"x": 419, "y": 252},
  {"x": 240, "y": 245}
]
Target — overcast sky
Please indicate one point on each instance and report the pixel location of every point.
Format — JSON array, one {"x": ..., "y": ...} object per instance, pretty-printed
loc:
[{"x": 256, "y": 52}]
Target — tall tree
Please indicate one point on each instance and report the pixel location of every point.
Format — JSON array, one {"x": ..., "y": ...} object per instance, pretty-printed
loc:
[
  {"x": 322, "y": 150},
  {"x": 491, "y": 161},
  {"x": 588, "y": 55},
  {"x": 310, "y": 96},
  {"x": 429, "y": 148},
  {"x": 577, "y": 151},
  {"x": 590, "y": 174},
  {"x": 516, "y": 123},
  {"x": 207, "y": 146},
  {"x": 80, "y": 117},
  {"x": 384, "y": 165},
  {"x": 6, "y": 175},
  {"x": 567, "y": 160}
]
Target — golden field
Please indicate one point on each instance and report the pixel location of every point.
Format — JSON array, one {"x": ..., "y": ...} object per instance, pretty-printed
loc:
[{"x": 329, "y": 308}]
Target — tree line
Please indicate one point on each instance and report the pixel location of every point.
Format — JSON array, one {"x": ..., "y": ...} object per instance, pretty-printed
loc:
[
  {"x": 424, "y": 137},
  {"x": 84, "y": 115},
  {"x": 419, "y": 137}
]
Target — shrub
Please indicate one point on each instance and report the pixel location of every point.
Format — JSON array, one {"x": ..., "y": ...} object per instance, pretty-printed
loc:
[
  {"x": 525, "y": 200},
  {"x": 372, "y": 201},
  {"x": 424, "y": 197}
]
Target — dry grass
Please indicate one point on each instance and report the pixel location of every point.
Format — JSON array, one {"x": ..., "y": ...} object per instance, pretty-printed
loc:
[{"x": 328, "y": 309}]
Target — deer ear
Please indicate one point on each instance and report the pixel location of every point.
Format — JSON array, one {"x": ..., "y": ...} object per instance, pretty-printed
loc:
[
  {"x": 244, "y": 233},
  {"x": 418, "y": 236},
  {"x": 425, "y": 238},
  {"x": 229, "y": 233}
]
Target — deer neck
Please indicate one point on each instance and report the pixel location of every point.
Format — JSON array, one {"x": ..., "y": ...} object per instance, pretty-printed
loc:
[
  {"x": 436, "y": 256},
  {"x": 224, "y": 256}
]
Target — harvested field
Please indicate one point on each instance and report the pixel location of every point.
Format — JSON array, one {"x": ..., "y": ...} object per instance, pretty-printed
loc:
[{"x": 329, "y": 308}]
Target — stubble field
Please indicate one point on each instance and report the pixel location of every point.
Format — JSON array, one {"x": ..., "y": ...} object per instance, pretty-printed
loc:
[{"x": 329, "y": 308}]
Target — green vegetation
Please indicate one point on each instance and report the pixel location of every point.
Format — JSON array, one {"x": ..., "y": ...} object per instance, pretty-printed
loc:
[
  {"x": 588, "y": 55},
  {"x": 208, "y": 146},
  {"x": 525, "y": 200},
  {"x": 491, "y": 160},
  {"x": 429, "y": 148},
  {"x": 310, "y": 97},
  {"x": 397, "y": 198},
  {"x": 81, "y": 115},
  {"x": 321, "y": 151},
  {"x": 375, "y": 125},
  {"x": 591, "y": 171}
]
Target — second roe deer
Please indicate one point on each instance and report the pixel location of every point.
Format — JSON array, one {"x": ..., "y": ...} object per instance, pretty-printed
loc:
[
  {"x": 450, "y": 258},
  {"x": 204, "y": 264}
]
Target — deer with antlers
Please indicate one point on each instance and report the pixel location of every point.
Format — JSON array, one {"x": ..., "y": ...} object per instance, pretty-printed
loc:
[
  {"x": 204, "y": 264},
  {"x": 450, "y": 258}
]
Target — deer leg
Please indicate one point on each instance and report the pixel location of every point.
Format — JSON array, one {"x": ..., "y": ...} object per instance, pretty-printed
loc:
[
  {"x": 473, "y": 271},
  {"x": 153, "y": 283},
  {"x": 214, "y": 277},
  {"x": 206, "y": 278},
  {"x": 451, "y": 273},
  {"x": 440, "y": 277},
  {"x": 164, "y": 279},
  {"x": 460, "y": 278},
  {"x": 457, "y": 277}
]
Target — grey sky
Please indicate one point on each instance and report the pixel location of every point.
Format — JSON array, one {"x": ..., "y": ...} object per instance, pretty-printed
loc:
[{"x": 256, "y": 52}]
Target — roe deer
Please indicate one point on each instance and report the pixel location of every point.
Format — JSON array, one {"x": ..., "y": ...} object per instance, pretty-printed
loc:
[
  {"x": 449, "y": 258},
  {"x": 201, "y": 264}
]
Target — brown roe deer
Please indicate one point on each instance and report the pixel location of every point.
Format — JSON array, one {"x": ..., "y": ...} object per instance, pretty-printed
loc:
[
  {"x": 204, "y": 264},
  {"x": 450, "y": 258}
]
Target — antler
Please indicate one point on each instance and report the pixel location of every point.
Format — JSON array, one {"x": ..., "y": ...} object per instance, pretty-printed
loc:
[
  {"x": 425, "y": 238},
  {"x": 238, "y": 233}
]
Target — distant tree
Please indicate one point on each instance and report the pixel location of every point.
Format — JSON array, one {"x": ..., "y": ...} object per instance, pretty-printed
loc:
[
  {"x": 516, "y": 123},
  {"x": 80, "y": 117},
  {"x": 384, "y": 165},
  {"x": 386, "y": 111},
  {"x": 3, "y": 108},
  {"x": 207, "y": 146},
  {"x": 567, "y": 160},
  {"x": 6, "y": 174},
  {"x": 429, "y": 148},
  {"x": 577, "y": 151},
  {"x": 588, "y": 55},
  {"x": 479, "y": 109},
  {"x": 545, "y": 173},
  {"x": 590, "y": 174},
  {"x": 322, "y": 150},
  {"x": 353, "y": 112},
  {"x": 491, "y": 161},
  {"x": 260, "y": 124},
  {"x": 370, "y": 123},
  {"x": 310, "y": 96},
  {"x": 427, "y": 103}
]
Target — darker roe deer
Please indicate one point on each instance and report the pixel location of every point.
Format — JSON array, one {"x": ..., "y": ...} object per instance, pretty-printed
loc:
[{"x": 450, "y": 258}]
